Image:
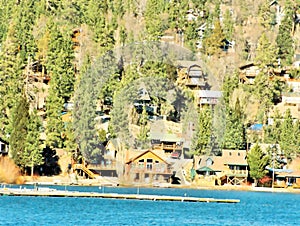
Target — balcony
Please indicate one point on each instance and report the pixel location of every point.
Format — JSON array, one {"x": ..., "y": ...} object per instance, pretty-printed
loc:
[
  {"x": 150, "y": 168},
  {"x": 167, "y": 147},
  {"x": 237, "y": 173}
]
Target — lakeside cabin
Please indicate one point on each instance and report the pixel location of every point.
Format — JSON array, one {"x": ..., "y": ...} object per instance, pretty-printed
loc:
[
  {"x": 230, "y": 168},
  {"x": 148, "y": 167}
]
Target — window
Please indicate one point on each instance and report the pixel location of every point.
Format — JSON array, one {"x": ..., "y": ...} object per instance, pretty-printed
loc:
[
  {"x": 141, "y": 163},
  {"x": 149, "y": 164},
  {"x": 209, "y": 162}
]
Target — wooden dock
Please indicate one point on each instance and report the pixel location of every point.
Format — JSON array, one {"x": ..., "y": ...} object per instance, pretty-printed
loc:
[{"x": 46, "y": 192}]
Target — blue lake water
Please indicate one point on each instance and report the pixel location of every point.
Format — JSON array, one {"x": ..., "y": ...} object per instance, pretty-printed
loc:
[{"x": 255, "y": 208}]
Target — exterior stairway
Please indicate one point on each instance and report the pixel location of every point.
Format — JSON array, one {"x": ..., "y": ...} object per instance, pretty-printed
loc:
[{"x": 85, "y": 170}]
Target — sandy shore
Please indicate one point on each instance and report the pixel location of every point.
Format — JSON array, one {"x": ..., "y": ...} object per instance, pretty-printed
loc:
[{"x": 102, "y": 181}]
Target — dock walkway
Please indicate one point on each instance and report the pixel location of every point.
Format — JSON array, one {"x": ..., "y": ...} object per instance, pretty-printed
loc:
[{"x": 47, "y": 192}]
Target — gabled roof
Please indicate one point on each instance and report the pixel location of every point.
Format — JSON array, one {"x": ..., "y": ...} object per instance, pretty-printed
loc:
[
  {"x": 234, "y": 157},
  {"x": 143, "y": 153},
  {"x": 217, "y": 165}
]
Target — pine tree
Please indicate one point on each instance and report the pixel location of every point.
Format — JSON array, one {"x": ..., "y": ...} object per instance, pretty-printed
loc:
[
  {"x": 60, "y": 61},
  {"x": 228, "y": 25},
  {"x": 284, "y": 38},
  {"x": 265, "y": 53},
  {"x": 18, "y": 136},
  {"x": 142, "y": 137},
  {"x": 234, "y": 134},
  {"x": 213, "y": 43},
  {"x": 11, "y": 79},
  {"x": 266, "y": 17},
  {"x": 33, "y": 148},
  {"x": 154, "y": 21},
  {"x": 287, "y": 138},
  {"x": 272, "y": 132},
  {"x": 202, "y": 136},
  {"x": 54, "y": 126},
  {"x": 84, "y": 114},
  {"x": 257, "y": 162},
  {"x": 60, "y": 68},
  {"x": 6, "y": 8}
]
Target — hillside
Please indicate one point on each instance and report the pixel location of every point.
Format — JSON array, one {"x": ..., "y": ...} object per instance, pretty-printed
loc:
[{"x": 73, "y": 74}]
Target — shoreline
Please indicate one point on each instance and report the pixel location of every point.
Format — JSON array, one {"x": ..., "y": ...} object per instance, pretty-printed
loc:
[{"x": 63, "y": 181}]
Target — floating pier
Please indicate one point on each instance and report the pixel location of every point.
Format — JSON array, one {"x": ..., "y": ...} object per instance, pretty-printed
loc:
[{"x": 47, "y": 192}]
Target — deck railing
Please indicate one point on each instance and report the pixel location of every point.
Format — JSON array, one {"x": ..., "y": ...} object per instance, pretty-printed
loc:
[
  {"x": 237, "y": 172},
  {"x": 154, "y": 168},
  {"x": 168, "y": 147}
]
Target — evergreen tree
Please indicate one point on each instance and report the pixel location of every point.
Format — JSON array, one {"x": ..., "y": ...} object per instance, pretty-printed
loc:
[
  {"x": 257, "y": 162},
  {"x": 268, "y": 92},
  {"x": 296, "y": 132},
  {"x": 265, "y": 53},
  {"x": 266, "y": 17},
  {"x": 287, "y": 138},
  {"x": 142, "y": 137},
  {"x": 11, "y": 79},
  {"x": 61, "y": 70},
  {"x": 24, "y": 18},
  {"x": 230, "y": 83},
  {"x": 214, "y": 43},
  {"x": 18, "y": 136},
  {"x": 33, "y": 149},
  {"x": 6, "y": 8},
  {"x": 284, "y": 38},
  {"x": 228, "y": 25},
  {"x": 54, "y": 126},
  {"x": 272, "y": 132},
  {"x": 155, "y": 23},
  {"x": 60, "y": 62},
  {"x": 234, "y": 134},
  {"x": 84, "y": 114},
  {"x": 202, "y": 136}
]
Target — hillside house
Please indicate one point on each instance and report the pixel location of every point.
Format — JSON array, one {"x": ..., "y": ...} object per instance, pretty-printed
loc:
[
  {"x": 191, "y": 76},
  {"x": 167, "y": 137},
  {"x": 207, "y": 97},
  {"x": 147, "y": 167},
  {"x": 248, "y": 73},
  {"x": 291, "y": 98},
  {"x": 230, "y": 168}
]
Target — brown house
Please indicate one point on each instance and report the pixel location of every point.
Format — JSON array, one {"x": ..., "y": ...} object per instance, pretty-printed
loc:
[
  {"x": 147, "y": 167},
  {"x": 191, "y": 76},
  {"x": 230, "y": 168}
]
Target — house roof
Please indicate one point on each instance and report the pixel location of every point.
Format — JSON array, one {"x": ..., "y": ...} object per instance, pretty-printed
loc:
[
  {"x": 295, "y": 174},
  {"x": 143, "y": 153},
  {"x": 234, "y": 157},
  {"x": 209, "y": 94},
  {"x": 246, "y": 66},
  {"x": 220, "y": 163},
  {"x": 217, "y": 163}
]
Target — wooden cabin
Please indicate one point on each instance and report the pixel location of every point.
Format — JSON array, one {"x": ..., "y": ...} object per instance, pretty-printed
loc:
[
  {"x": 147, "y": 167},
  {"x": 191, "y": 76},
  {"x": 230, "y": 168}
]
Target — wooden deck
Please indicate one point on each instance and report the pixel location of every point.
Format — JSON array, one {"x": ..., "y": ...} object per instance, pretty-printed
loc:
[{"x": 45, "y": 192}]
